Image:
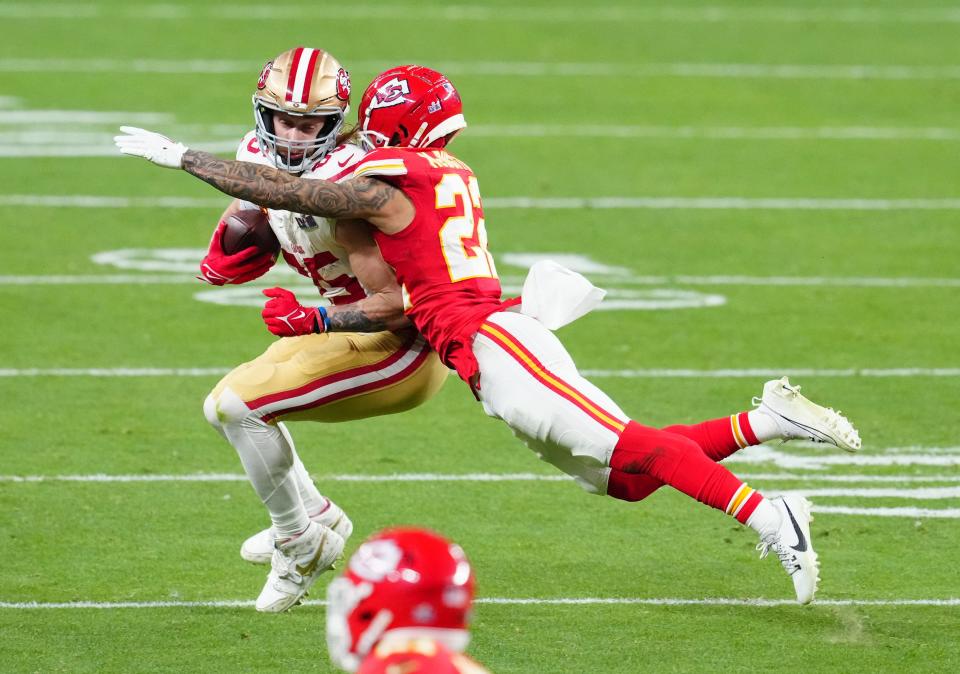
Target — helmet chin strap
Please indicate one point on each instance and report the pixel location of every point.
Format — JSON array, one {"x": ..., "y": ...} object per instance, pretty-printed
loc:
[{"x": 415, "y": 141}]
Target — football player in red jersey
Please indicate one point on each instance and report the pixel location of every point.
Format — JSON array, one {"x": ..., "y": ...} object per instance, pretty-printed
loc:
[
  {"x": 428, "y": 217},
  {"x": 402, "y": 605}
]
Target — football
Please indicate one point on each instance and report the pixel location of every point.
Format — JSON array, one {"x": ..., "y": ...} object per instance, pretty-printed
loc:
[{"x": 248, "y": 228}]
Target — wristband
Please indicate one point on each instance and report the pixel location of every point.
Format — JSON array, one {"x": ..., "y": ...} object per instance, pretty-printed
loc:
[{"x": 324, "y": 318}]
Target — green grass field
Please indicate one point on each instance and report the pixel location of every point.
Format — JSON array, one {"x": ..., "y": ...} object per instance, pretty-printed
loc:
[{"x": 786, "y": 170}]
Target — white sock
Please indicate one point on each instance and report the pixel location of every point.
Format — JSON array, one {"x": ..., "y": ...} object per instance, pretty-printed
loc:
[
  {"x": 765, "y": 519},
  {"x": 313, "y": 500},
  {"x": 764, "y": 426},
  {"x": 268, "y": 460}
]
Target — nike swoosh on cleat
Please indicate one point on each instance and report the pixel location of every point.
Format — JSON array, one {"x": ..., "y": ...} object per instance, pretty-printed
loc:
[
  {"x": 812, "y": 432},
  {"x": 308, "y": 568},
  {"x": 801, "y": 545}
]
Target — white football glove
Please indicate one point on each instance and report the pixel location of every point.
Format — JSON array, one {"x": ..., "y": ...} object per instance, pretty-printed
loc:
[{"x": 151, "y": 146}]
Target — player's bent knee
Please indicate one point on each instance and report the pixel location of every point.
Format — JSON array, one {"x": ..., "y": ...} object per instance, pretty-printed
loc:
[
  {"x": 226, "y": 408},
  {"x": 630, "y": 487},
  {"x": 210, "y": 411},
  {"x": 640, "y": 447}
]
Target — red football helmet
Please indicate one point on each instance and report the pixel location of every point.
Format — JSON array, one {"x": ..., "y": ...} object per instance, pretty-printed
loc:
[
  {"x": 401, "y": 583},
  {"x": 410, "y": 106}
]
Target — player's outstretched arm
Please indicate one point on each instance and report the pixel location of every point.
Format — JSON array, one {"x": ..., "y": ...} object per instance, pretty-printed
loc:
[
  {"x": 362, "y": 198},
  {"x": 368, "y": 199},
  {"x": 382, "y": 309}
]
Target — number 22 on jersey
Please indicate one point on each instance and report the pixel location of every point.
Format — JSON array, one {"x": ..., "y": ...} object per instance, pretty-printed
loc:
[{"x": 463, "y": 238}]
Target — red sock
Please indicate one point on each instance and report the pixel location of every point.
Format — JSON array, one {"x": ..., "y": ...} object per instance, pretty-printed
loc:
[
  {"x": 680, "y": 462},
  {"x": 719, "y": 438}
]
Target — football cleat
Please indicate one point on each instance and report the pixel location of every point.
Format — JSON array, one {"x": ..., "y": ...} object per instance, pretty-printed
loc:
[
  {"x": 296, "y": 565},
  {"x": 258, "y": 549},
  {"x": 792, "y": 545},
  {"x": 797, "y": 417}
]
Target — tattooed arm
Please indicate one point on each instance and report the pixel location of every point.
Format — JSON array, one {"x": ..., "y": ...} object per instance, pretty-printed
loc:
[
  {"x": 383, "y": 308},
  {"x": 382, "y": 205}
]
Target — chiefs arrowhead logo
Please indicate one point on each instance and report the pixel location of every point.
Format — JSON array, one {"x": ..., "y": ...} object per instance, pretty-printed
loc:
[
  {"x": 264, "y": 74},
  {"x": 343, "y": 85},
  {"x": 390, "y": 94}
]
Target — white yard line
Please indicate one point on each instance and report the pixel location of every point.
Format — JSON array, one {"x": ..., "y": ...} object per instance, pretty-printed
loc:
[
  {"x": 25, "y": 149},
  {"x": 615, "y": 13},
  {"x": 98, "y": 201},
  {"x": 712, "y": 133},
  {"x": 498, "y": 477},
  {"x": 116, "y": 372},
  {"x": 69, "y": 139},
  {"x": 544, "y": 203},
  {"x": 99, "y": 279},
  {"x": 624, "y": 374},
  {"x": 37, "y": 10},
  {"x": 783, "y": 281},
  {"x": 847, "y": 479},
  {"x": 513, "y": 69},
  {"x": 773, "y": 372},
  {"x": 239, "y": 477},
  {"x": 30, "y": 129},
  {"x": 913, "y": 513},
  {"x": 853, "y": 281},
  {"x": 43, "y": 118},
  {"x": 724, "y": 203},
  {"x": 504, "y": 601},
  {"x": 919, "y": 493},
  {"x": 763, "y": 454}
]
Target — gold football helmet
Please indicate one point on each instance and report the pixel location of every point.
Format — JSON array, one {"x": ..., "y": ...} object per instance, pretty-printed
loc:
[{"x": 301, "y": 82}]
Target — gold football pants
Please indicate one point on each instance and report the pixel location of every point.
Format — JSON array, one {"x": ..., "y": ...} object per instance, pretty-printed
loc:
[{"x": 337, "y": 376}]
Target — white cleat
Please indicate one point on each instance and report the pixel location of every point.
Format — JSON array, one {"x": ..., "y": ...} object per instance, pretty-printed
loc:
[
  {"x": 296, "y": 565},
  {"x": 258, "y": 549},
  {"x": 797, "y": 417},
  {"x": 792, "y": 545}
]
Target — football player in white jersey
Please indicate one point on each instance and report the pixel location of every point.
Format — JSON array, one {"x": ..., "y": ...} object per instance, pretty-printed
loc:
[{"x": 367, "y": 360}]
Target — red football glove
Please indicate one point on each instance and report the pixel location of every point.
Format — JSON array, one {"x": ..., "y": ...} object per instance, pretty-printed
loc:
[
  {"x": 286, "y": 317},
  {"x": 218, "y": 268}
]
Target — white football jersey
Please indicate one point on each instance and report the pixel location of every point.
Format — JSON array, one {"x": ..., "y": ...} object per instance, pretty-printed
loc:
[{"x": 307, "y": 242}]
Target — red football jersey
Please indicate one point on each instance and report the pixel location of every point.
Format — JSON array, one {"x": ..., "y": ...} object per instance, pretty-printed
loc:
[
  {"x": 422, "y": 656},
  {"x": 448, "y": 276}
]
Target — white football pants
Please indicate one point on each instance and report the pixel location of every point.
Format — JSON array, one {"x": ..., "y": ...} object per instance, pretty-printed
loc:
[{"x": 528, "y": 379}]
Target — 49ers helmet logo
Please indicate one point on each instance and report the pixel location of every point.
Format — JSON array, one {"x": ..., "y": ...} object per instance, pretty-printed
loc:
[
  {"x": 264, "y": 74},
  {"x": 390, "y": 94},
  {"x": 343, "y": 85}
]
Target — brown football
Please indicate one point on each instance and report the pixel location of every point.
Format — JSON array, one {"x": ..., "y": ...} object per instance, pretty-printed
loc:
[{"x": 248, "y": 228}]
